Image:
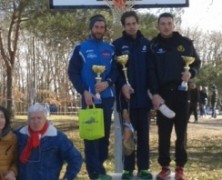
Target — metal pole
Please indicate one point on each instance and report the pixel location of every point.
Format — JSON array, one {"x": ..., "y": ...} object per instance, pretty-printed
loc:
[
  {"x": 118, "y": 149},
  {"x": 118, "y": 152}
]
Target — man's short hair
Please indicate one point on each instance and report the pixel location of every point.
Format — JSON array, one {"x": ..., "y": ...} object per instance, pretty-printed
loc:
[
  {"x": 129, "y": 14},
  {"x": 166, "y": 14}
]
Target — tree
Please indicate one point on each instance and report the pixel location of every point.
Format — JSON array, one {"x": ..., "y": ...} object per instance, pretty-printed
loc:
[
  {"x": 208, "y": 46},
  {"x": 8, "y": 48},
  {"x": 45, "y": 38}
]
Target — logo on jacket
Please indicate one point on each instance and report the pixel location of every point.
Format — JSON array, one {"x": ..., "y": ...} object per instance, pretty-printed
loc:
[
  {"x": 89, "y": 51},
  {"x": 125, "y": 47},
  {"x": 160, "y": 51},
  {"x": 180, "y": 48},
  {"x": 144, "y": 49},
  {"x": 106, "y": 54},
  {"x": 91, "y": 55}
]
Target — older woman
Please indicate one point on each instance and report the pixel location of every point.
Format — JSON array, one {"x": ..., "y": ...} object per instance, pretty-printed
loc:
[
  {"x": 43, "y": 149},
  {"x": 8, "y": 142}
]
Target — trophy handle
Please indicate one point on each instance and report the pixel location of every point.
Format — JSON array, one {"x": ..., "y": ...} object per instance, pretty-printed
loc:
[
  {"x": 98, "y": 79},
  {"x": 98, "y": 96},
  {"x": 187, "y": 61},
  {"x": 183, "y": 86},
  {"x": 125, "y": 74},
  {"x": 187, "y": 68}
]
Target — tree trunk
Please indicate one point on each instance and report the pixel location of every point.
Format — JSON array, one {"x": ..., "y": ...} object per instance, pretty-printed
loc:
[{"x": 10, "y": 94}]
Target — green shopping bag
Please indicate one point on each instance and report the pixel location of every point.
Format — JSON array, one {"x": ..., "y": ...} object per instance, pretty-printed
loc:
[{"x": 91, "y": 123}]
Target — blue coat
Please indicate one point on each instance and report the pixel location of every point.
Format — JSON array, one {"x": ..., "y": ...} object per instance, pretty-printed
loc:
[
  {"x": 137, "y": 68},
  {"x": 88, "y": 53},
  {"x": 46, "y": 161}
]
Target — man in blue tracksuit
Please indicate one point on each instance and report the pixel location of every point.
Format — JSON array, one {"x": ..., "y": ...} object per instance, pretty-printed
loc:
[
  {"x": 94, "y": 51},
  {"x": 166, "y": 72},
  {"x": 135, "y": 95}
]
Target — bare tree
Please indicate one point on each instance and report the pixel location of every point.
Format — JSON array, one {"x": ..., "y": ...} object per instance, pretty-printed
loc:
[{"x": 8, "y": 48}]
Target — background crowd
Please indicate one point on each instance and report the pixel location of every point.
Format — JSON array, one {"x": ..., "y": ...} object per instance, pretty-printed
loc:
[{"x": 204, "y": 101}]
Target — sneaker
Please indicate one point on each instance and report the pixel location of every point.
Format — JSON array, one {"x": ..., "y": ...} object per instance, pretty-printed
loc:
[
  {"x": 127, "y": 175},
  {"x": 164, "y": 173},
  {"x": 179, "y": 173},
  {"x": 166, "y": 111},
  {"x": 145, "y": 174}
]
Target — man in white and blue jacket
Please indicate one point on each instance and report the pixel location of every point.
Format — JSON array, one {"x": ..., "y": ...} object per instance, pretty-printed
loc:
[{"x": 94, "y": 51}]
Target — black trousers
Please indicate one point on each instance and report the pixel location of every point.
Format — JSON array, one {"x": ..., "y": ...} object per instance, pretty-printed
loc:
[
  {"x": 193, "y": 109},
  {"x": 178, "y": 102}
]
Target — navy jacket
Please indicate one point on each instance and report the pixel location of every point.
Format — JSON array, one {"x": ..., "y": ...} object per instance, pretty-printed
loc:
[
  {"x": 137, "y": 68},
  {"x": 166, "y": 63}
]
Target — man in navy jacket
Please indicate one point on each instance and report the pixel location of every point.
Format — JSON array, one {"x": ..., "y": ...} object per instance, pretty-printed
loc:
[{"x": 134, "y": 96}]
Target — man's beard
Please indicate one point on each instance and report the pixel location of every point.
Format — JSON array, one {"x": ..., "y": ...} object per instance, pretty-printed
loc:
[{"x": 96, "y": 37}]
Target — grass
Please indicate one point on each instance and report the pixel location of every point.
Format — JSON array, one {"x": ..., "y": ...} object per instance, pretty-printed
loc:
[
  {"x": 204, "y": 149},
  {"x": 204, "y": 153}
]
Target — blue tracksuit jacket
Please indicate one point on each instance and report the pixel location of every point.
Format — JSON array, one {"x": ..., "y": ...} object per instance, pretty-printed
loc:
[{"x": 88, "y": 53}]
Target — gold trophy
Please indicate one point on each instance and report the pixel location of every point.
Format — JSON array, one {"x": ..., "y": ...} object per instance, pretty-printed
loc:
[
  {"x": 187, "y": 61},
  {"x": 123, "y": 60},
  {"x": 98, "y": 69},
  {"x": 128, "y": 131}
]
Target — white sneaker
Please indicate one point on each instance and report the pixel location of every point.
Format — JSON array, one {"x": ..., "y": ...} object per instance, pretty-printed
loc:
[{"x": 166, "y": 111}]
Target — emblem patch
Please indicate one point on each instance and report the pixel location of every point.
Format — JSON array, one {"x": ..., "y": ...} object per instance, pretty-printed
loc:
[{"x": 180, "y": 48}]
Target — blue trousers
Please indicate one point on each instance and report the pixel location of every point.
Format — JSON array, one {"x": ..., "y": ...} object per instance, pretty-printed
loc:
[{"x": 96, "y": 151}]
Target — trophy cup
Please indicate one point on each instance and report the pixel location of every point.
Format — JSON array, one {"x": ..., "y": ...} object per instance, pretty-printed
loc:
[
  {"x": 187, "y": 61},
  {"x": 123, "y": 60},
  {"x": 98, "y": 69},
  {"x": 128, "y": 131}
]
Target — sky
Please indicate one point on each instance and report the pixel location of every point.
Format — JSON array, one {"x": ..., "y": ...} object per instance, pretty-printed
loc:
[{"x": 204, "y": 14}]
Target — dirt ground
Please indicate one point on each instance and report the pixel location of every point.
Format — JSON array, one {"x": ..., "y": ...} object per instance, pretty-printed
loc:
[
  {"x": 203, "y": 146},
  {"x": 207, "y": 129},
  {"x": 206, "y": 126}
]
